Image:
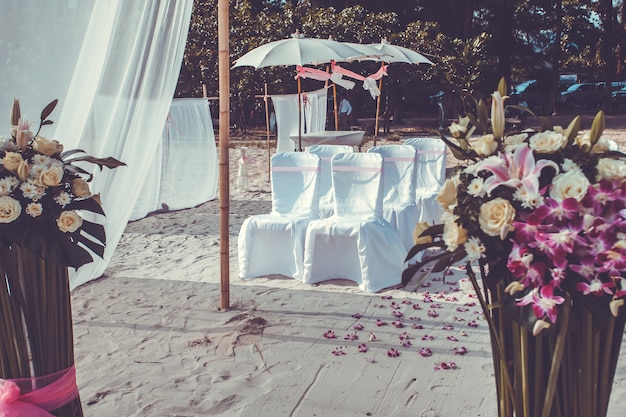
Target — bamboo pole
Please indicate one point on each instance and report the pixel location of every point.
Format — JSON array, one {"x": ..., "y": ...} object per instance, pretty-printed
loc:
[
  {"x": 224, "y": 93},
  {"x": 335, "y": 106},
  {"x": 267, "y": 128}
]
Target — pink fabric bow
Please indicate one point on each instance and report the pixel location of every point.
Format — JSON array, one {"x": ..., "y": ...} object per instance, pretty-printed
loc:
[
  {"x": 38, "y": 402},
  {"x": 368, "y": 82}
]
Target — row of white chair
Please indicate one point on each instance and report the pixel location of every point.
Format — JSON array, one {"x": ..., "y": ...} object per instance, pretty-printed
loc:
[{"x": 339, "y": 214}]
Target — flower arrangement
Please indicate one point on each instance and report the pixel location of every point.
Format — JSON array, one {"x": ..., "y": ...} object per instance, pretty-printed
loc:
[
  {"x": 543, "y": 217},
  {"x": 549, "y": 205},
  {"x": 43, "y": 197},
  {"x": 42, "y": 192}
]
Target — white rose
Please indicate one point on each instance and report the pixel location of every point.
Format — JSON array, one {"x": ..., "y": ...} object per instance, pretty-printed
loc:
[
  {"x": 512, "y": 142},
  {"x": 485, "y": 145},
  {"x": 447, "y": 194},
  {"x": 47, "y": 146},
  {"x": 11, "y": 161},
  {"x": 80, "y": 188},
  {"x": 10, "y": 209},
  {"x": 611, "y": 169},
  {"x": 453, "y": 234},
  {"x": 602, "y": 145},
  {"x": 572, "y": 184},
  {"x": 496, "y": 217},
  {"x": 547, "y": 142},
  {"x": 69, "y": 221},
  {"x": 51, "y": 177}
]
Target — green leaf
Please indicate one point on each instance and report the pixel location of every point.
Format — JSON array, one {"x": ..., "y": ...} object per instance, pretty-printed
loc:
[
  {"x": 597, "y": 127},
  {"x": 413, "y": 276},
  {"x": 502, "y": 87},
  {"x": 458, "y": 152},
  {"x": 109, "y": 162},
  {"x": 46, "y": 122},
  {"x": 422, "y": 246},
  {"x": 48, "y": 109},
  {"x": 94, "y": 230},
  {"x": 449, "y": 259}
]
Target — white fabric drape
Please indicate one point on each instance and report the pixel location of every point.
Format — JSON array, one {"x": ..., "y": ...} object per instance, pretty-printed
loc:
[
  {"x": 113, "y": 65},
  {"x": 187, "y": 150},
  {"x": 286, "y": 107}
]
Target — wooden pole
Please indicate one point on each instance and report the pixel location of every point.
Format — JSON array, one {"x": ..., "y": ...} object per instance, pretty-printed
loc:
[
  {"x": 267, "y": 127},
  {"x": 335, "y": 106},
  {"x": 224, "y": 133},
  {"x": 299, "y": 118},
  {"x": 380, "y": 89}
]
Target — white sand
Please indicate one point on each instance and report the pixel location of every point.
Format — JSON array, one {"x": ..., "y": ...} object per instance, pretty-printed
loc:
[{"x": 150, "y": 339}]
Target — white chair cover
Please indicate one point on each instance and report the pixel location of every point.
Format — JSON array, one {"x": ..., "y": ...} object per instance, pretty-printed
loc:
[
  {"x": 274, "y": 243},
  {"x": 325, "y": 153},
  {"x": 399, "y": 207},
  {"x": 355, "y": 243},
  {"x": 430, "y": 174}
]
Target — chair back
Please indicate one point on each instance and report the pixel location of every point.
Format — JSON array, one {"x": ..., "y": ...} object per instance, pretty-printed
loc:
[
  {"x": 325, "y": 153},
  {"x": 398, "y": 174},
  {"x": 295, "y": 183},
  {"x": 357, "y": 184},
  {"x": 430, "y": 166}
]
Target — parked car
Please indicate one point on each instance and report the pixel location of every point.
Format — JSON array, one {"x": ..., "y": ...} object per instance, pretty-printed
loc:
[
  {"x": 530, "y": 94},
  {"x": 588, "y": 94},
  {"x": 619, "y": 96}
]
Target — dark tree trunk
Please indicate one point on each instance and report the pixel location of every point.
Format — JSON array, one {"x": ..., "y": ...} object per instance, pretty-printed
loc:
[{"x": 554, "y": 95}]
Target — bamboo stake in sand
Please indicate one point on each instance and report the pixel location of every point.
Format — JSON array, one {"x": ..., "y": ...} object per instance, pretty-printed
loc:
[{"x": 224, "y": 89}]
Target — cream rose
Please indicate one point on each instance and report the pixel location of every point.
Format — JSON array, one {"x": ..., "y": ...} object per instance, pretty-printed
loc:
[
  {"x": 10, "y": 209},
  {"x": 419, "y": 229},
  {"x": 602, "y": 145},
  {"x": 11, "y": 161},
  {"x": 547, "y": 142},
  {"x": 512, "y": 142},
  {"x": 47, "y": 146},
  {"x": 572, "y": 184},
  {"x": 80, "y": 188},
  {"x": 51, "y": 177},
  {"x": 447, "y": 194},
  {"x": 611, "y": 169},
  {"x": 453, "y": 234},
  {"x": 69, "y": 221},
  {"x": 496, "y": 217},
  {"x": 485, "y": 145}
]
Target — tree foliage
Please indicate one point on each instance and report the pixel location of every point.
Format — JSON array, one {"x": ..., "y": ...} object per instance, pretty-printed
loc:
[{"x": 472, "y": 43}]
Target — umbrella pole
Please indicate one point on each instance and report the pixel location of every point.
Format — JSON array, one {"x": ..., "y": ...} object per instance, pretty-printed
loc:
[
  {"x": 267, "y": 127},
  {"x": 335, "y": 106},
  {"x": 299, "y": 118},
  {"x": 380, "y": 88}
]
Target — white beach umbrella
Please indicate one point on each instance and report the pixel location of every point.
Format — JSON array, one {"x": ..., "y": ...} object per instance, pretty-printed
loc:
[
  {"x": 395, "y": 54},
  {"x": 301, "y": 51}
]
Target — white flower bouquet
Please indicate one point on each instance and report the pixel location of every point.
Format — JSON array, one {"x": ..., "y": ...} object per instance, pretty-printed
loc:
[
  {"x": 543, "y": 215},
  {"x": 42, "y": 193},
  {"x": 42, "y": 233}
]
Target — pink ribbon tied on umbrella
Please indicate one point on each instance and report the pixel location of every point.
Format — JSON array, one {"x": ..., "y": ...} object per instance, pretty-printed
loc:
[
  {"x": 40, "y": 401},
  {"x": 369, "y": 82},
  {"x": 319, "y": 75}
]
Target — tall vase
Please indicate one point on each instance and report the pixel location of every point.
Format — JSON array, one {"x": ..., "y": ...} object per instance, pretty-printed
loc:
[
  {"x": 564, "y": 371},
  {"x": 36, "y": 336}
]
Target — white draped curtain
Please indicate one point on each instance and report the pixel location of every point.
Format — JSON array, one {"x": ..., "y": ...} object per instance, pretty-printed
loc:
[{"x": 113, "y": 65}]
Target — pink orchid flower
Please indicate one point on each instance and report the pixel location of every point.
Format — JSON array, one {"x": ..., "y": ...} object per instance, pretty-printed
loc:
[
  {"x": 351, "y": 336},
  {"x": 460, "y": 351},
  {"x": 362, "y": 348},
  {"x": 425, "y": 352},
  {"x": 543, "y": 302},
  {"x": 595, "y": 287},
  {"x": 397, "y": 324},
  {"x": 393, "y": 353},
  {"x": 358, "y": 326},
  {"x": 472, "y": 323},
  {"x": 452, "y": 338},
  {"x": 338, "y": 352},
  {"x": 330, "y": 334}
]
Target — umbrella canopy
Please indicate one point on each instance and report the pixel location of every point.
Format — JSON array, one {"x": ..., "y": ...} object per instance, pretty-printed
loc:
[
  {"x": 299, "y": 51},
  {"x": 395, "y": 53}
]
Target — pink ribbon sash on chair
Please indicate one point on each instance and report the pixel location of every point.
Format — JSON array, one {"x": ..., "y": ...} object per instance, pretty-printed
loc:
[{"x": 40, "y": 401}]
